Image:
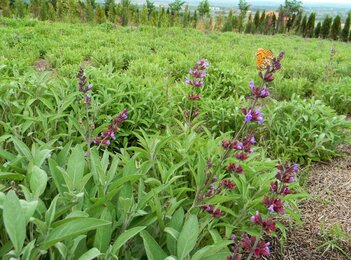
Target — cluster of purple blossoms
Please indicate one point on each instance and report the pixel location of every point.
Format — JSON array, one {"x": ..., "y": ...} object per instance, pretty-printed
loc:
[
  {"x": 242, "y": 149},
  {"x": 257, "y": 91},
  {"x": 248, "y": 246},
  {"x": 196, "y": 79},
  {"x": 83, "y": 86},
  {"x": 267, "y": 225},
  {"x": 253, "y": 116},
  {"x": 109, "y": 134},
  {"x": 215, "y": 212},
  {"x": 273, "y": 67},
  {"x": 280, "y": 188}
]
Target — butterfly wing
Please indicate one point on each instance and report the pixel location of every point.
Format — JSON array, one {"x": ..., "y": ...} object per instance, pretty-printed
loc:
[{"x": 264, "y": 58}]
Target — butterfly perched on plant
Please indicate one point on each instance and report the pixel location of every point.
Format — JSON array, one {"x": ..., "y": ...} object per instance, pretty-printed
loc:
[{"x": 264, "y": 59}]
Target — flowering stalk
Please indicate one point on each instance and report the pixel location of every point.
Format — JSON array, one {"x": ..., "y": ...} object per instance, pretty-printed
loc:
[
  {"x": 196, "y": 80},
  {"x": 109, "y": 134},
  {"x": 84, "y": 87}
]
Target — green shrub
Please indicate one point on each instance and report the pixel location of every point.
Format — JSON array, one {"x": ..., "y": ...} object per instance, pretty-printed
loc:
[{"x": 301, "y": 129}]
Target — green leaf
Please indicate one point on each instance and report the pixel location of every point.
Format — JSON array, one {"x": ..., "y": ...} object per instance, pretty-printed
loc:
[
  {"x": 152, "y": 248},
  {"x": 124, "y": 237},
  {"x": 175, "y": 223},
  {"x": 28, "y": 208},
  {"x": 188, "y": 237},
  {"x": 50, "y": 213},
  {"x": 211, "y": 250},
  {"x": 14, "y": 221},
  {"x": 91, "y": 254},
  {"x": 75, "y": 166},
  {"x": 27, "y": 250},
  {"x": 38, "y": 181},
  {"x": 103, "y": 234},
  {"x": 11, "y": 176},
  {"x": 72, "y": 228},
  {"x": 22, "y": 148}
]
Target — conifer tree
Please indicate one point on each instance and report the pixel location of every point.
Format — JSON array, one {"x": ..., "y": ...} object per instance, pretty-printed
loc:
[
  {"x": 310, "y": 25},
  {"x": 112, "y": 12},
  {"x": 257, "y": 20},
  {"x": 51, "y": 12},
  {"x": 219, "y": 21},
  {"x": 326, "y": 27},
  {"x": 228, "y": 25},
  {"x": 43, "y": 10},
  {"x": 346, "y": 30},
  {"x": 20, "y": 8},
  {"x": 273, "y": 24},
  {"x": 196, "y": 18},
  {"x": 99, "y": 15},
  {"x": 303, "y": 26},
  {"x": 5, "y": 8},
  {"x": 317, "y": 31},
  {"x": 34, "y": 7},
  {"x": 297, "y": 23},
  {"x": 249, "y": 25},
  {"x": 336, "y": 28},
  {"x": 89, "y": 11},
  {"x": 261, "y": 26}
]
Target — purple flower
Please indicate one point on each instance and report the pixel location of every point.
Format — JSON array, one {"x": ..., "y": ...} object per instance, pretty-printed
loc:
[
  {"x": 256, "y": 219},
  {"x": 253, "y": 115},
  {"x": 248, "y": 117}
]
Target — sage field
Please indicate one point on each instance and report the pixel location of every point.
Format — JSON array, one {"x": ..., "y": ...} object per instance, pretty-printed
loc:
[{"x": 124, "y": 161}]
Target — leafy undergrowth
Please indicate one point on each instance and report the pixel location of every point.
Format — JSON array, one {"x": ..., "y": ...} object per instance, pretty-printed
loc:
[{"x": 133, "y": 161}]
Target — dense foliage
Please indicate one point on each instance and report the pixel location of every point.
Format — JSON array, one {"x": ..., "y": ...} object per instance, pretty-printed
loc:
[{"x": 137, "y": 157}]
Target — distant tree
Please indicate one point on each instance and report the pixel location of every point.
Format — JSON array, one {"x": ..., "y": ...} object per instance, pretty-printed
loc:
[
  {"x": 273, "y": 24},
  {"x": 195, "y": 19},
  {"x": 203, "y": 8},
  {"x": 228, "y": 25},
  {"x": 150, "y": 6},
  {"x": 292, "y": 7},
  {"x": 5, "y": 8},
  {"x": 290, "y": 10},
  {"x": 281, "y": 20},
  {"x": 310, "y": 25},
  {"x": 290, "y": 22},
  {"x": 20, "y": 8},
  {"x": 43, "y": 10},
  {"x": 211, "y": 23},
  {"x": 219, "y": 22},
  {"x": 249, "y": 25},
  {"x": 176, "y": 6},
  {"x": 144, "y": 15},
  {"x": 236, "y": 22},
  {"x": 317, "y": 31},
  {"x": 297, "y": 22},
  {"x": 125, "y": 11},
  {"x": 100, "y": 15},
  {"x": 303, "y": 25},
  {"x": 262, "y": 22},
  {"x": 346, "y": 30},
  {"x": 243, "y": 7},
  {"x": 326, "y": 27},
  {"x": 89, "y": 11},
  {"x": 112, "y": 12},
  {"x": 51, "y": 12},
  {"x": 336, "y": 28},
  {"x": 107, "y": 5},
  {"x": 257, "y": 20}
]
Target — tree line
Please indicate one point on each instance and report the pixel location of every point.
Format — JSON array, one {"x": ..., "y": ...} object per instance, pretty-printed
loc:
[{"x": 289, "y": 18}]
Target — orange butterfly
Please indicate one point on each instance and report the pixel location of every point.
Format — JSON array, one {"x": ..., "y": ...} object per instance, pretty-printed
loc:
[{"x": 264, "y": 59}]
